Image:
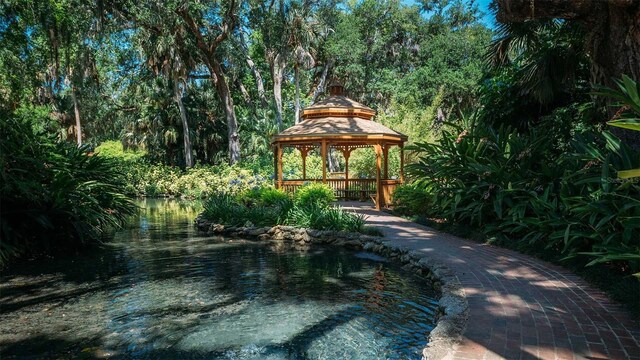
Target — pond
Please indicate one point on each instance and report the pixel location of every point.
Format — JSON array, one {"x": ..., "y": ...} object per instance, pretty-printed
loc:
[{"x": 160, "y": 289}]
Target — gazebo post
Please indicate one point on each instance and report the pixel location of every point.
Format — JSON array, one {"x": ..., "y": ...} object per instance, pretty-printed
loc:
[
  {"x": 279, "y": 176},
  {"x": 275, "y": 166},
  {"x": 385, "y": 151},
  {"x": 346, "y": 153},
  {"x": 304, "y": 151},
  {"x": 402, "y": 163},
  {"x": 324, "y": 161},
  {"x": 378, "y": 149}
]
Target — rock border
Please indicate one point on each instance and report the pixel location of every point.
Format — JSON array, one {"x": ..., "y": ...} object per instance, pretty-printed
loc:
[{"x": 453, "y": 308}]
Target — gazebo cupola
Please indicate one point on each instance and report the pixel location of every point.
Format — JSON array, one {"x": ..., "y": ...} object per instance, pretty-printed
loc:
[{"x": 343, "y": 124}]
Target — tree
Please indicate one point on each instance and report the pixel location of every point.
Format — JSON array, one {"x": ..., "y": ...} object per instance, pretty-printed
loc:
[
  {"x": 160, "y": 41},
  {"x": 612, "y": 30},
  {"x": 270, "y": 20},
  {"x": 209, "y": 35},
  {"x": 302, "y": 33}
]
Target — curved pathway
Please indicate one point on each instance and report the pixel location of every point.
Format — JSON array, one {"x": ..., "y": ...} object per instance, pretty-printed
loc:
[{"x": 520, "y": 307}]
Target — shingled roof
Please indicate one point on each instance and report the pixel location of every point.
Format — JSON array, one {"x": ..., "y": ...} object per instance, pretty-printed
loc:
[
  {"x": 339, "y": 126},
  {"x": 338, "y": 117}
]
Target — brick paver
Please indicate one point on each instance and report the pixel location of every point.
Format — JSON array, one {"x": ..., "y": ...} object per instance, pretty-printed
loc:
[{"x": 520, "y": 307}]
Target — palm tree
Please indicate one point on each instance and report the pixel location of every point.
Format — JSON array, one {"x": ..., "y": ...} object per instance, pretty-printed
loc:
[
  {"x": 547, "y": 55},
  {"x": 164, "y": 57},
  {"x": 302, "y": 33}
]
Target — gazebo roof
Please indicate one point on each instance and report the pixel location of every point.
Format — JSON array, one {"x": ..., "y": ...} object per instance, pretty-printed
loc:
[
  {"x": 338, "y": 105},
  {"x": 338, "y": 117},
  {"x": 339, "y": 128}
]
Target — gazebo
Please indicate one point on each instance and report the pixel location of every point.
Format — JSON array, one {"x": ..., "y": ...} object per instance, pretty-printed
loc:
[{"x": 343, "y": 124}]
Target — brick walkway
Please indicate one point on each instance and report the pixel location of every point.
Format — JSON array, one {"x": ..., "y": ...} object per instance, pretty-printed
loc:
[{"x": 520, "y": 307}]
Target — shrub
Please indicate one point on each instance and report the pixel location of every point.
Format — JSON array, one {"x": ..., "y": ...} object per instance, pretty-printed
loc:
[
  {"x": 269, "y": 207},
  {"x": 268, "y": 196},
  {"x": 225, "y": 209},
  {"x": 314, "y": 194},
  {"x": 412, "y": 199},
  {"x": 115, "y": 149},
  {"x": 54, "y": 197},
  {"x": 325, "y": 218},
  {"x": 524, "y": 193}
]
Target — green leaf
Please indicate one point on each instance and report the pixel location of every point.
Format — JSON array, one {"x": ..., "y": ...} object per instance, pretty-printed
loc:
[
  {"x": 631, "y": 124},
  {"x": 627, "y": 174}
]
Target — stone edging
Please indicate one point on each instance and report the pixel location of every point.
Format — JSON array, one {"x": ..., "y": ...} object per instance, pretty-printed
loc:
[{"x": 453, "y": 309}]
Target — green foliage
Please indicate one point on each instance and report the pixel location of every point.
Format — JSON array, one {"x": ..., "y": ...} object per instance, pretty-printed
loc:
[
  {"x": 272, "y": 197},
  {"x": 409, "y": 199},
  {"x": 314, "y": 194},
  {"x": 114, "y": 149},
  {"x": 54, "y": 196},
  {"x": 268, "y": 207},
  {"x": 197, "y": 182},
  {"x": 522, "y": 191},
  {"x": 292, "y": 165},
  {"x": 226, "y": 209},
  {"x": 325, "y": 218}
]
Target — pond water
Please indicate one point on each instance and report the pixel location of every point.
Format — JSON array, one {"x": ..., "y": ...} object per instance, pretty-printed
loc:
[{"x": 160, "y": 289}]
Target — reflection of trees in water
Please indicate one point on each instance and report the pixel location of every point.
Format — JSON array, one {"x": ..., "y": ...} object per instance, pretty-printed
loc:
[
  {"x": 170, "y": 278},
  {"x": 375, "y": 298}
]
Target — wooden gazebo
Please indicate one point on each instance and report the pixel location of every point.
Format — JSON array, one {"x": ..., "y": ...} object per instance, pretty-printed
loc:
[{"x": 343, "y": 124}]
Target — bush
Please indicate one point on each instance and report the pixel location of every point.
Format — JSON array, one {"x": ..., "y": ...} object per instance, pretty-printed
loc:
[
  {"x": 267, "y": 196},
  {"x": 54, "y": 196},
  {"x": 225, "y": 209},
  {"x": 525, "y": 193},
  {"x": 409, "y": 199},
  {"x": 325, "y": 218},
  {"x": 269, "y": 207},
  {"x": 314, "y": 194},
  {"x": 115, "y": 149}
]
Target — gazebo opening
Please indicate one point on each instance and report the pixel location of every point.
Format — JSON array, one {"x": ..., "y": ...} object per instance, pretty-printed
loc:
[{"x": 344, "y": 125}]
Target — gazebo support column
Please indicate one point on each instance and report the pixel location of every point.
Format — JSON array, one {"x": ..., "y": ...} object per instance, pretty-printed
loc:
[
  {"x": 378, "y": 149},
  {"x": 402, "y": 164},
  {"x": 275, "y": 166},
  {"x": 278, "y": 161},
  {"x": 304, "y": 152},
  {"x": 346, "y": 152},
  {"x": 385, "y": 152},
  {"x": 324, "y": 161}
]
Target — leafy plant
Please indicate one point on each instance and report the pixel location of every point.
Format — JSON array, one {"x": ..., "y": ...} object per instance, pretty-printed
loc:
[
  {"x": 314, "y": 194},
  {"x": 628, "y": 117},
  {"x": 520, "y": 190},
  {"x": 412, "y": 199},
  {"x": 54, "y": 196},
  {"x": 269, "y": 207},
  {"x": 325, "y": 218}
]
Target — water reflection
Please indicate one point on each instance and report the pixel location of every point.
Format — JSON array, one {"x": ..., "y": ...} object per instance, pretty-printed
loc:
[{"x": 162, "y": 290}]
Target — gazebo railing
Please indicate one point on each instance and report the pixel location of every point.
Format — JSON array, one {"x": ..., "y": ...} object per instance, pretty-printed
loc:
[{"x": 351, "y": 189}]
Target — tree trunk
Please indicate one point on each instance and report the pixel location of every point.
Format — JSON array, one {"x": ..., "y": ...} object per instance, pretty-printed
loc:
[
  {"x": 612, "y": 27},
  {"x": 76, "y": 107},
  {"x": 259, "y": 82},
  {"x": 612, "y": 36},
  {"x": 188, "y": 156},
  {"x": 296, "y": 75},
  {"x": 245, "y": 94},
  {"x": 256, "y": 72},
  {"x": 321, "y": 84},
  {"x": 222, "y": 88},
  {"x": 277, "y": 73}
]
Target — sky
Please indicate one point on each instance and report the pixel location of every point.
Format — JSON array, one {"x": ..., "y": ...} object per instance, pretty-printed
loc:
[{"x": 488, "y": 19}]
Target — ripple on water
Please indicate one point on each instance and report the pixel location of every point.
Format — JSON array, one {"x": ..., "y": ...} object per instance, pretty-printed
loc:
[{"x": 161, "y": 290}]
